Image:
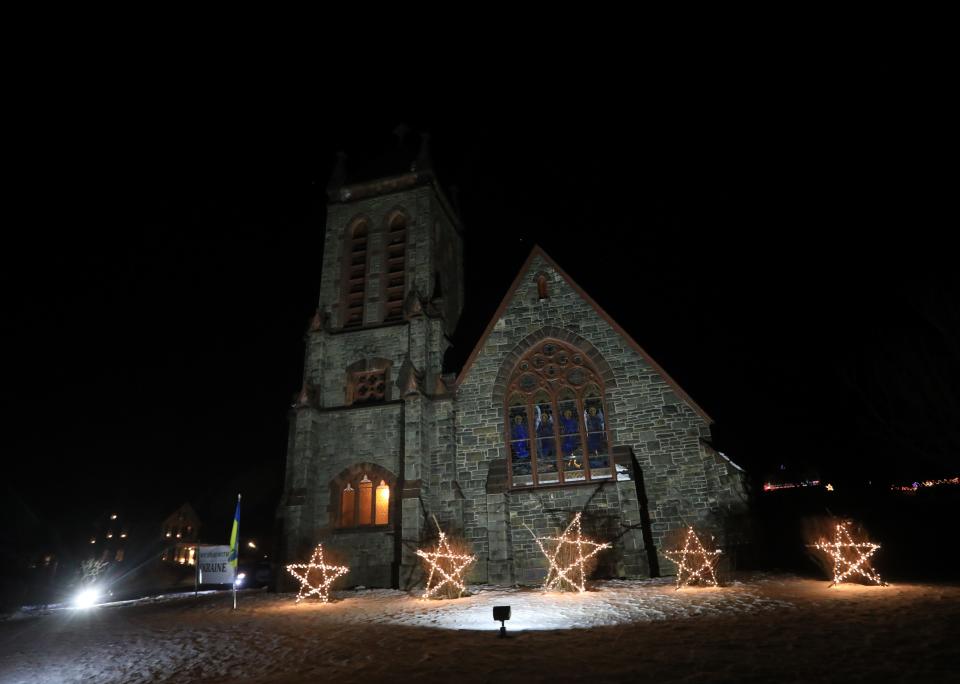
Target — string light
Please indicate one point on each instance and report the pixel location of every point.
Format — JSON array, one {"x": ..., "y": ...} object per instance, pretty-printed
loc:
[
  {"x": 456, "y": 562},
  {"x": 559, "y": 576},
  {"x": 843, "y": 568},
  {"x": 328, "y": 573},
  {"x": 694, "y": 564}
]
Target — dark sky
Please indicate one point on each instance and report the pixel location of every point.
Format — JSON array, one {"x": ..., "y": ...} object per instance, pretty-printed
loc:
[{"x": 784, "y": 252}]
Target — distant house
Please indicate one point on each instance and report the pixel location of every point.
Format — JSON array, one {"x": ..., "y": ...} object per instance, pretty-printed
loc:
[
  {"x": 110, "y": 537},
  {"x": 180, "y": 532}
]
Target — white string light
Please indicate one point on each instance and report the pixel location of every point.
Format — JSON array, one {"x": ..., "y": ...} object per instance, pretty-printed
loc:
[
  {"x": 328, "y": 573},
  {"x": 559, "y": 576},
  {"x": 843, "y": 568},
  {"x": 456, "y": 562},
  {"x": 694, "y": 564}
]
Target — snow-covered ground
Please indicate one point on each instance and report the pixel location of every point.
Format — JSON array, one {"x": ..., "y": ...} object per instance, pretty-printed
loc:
[{"x": 758, "y": 628}]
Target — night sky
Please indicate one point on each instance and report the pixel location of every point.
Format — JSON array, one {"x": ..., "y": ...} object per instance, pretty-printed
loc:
[{"x": 787, "y": 257}]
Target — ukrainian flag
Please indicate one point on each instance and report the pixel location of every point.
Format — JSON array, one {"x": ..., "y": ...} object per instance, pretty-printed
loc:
[{"x": 235, "y": 537}]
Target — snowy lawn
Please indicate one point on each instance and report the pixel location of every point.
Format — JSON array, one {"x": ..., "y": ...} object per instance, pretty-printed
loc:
[{"x": 758, "y": 628}]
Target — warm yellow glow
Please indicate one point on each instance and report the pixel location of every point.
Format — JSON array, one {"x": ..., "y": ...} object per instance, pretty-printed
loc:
[
  {"x": 109, "y": 535},
  {"x": 348, "y": 499},
  {"x": 123, "y": 535},
  {"x": 178, "y": 535},
  {"x": 456, "y": 562},
  {"x": 694, "y": 563},
  {"x": 93, "y": 541},
  {"x": 113, "y": 517},
  {"x": 366, "y": 501},
  {"x": 829, "y": 487},
  {"x": 251, "y": 544},
  {"x": 383, "y": 504},
  {"x": 328, "y": 573},
  {"x": 168, "y": 535},
  {"x": 570, "y": 576},
  {"x": 842, "y": 548}
]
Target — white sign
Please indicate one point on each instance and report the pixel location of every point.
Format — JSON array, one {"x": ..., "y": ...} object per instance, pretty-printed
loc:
[{"x": 213, "y": 565}]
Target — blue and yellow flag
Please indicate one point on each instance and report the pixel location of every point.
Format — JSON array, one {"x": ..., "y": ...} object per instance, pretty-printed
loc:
[{"x": 235, "y": 537}]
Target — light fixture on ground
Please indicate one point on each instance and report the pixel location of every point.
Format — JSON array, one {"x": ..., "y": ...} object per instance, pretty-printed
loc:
[{"x": 501, "y": 613}]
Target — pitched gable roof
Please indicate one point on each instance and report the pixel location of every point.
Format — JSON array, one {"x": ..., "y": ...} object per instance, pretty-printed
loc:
[{"x": 538, "y": 251}]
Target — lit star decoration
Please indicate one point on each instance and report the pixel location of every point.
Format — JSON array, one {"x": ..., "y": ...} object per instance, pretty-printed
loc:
[
  {"x": 328, "y": 573},
  {"x": 842, "y": 549},
  {"x": 694, "y": 563},
  {"x": 446, "y": 567},
  {"x": 568, "y": 576}
]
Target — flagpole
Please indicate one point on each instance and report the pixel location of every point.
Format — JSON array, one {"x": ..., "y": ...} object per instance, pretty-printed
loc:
[{"x": 236, "y": 541}]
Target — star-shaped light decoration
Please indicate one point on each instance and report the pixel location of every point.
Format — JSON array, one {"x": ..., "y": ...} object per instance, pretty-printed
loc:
[
  {"x": 843, "y": 549},
  {"x": 327, "y": 574},
  {"x": 694, "y": 562},
  {"x": 446, "y": 567},
  {"x": 568, "y": 558}
]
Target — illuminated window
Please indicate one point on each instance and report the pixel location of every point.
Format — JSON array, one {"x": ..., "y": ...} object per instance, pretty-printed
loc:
[
  {"x": 556, "y": 421},
  {"x": 362, "y": 504},
  {"x": 366, "y": 501},
  {"x": 348, "y": 503},
  {"x": 355, "y": 274},
  {"x": 383, "y": 504}
]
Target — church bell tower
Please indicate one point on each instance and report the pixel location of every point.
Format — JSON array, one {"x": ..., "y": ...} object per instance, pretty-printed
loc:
[{"x": 375, "y": 410}]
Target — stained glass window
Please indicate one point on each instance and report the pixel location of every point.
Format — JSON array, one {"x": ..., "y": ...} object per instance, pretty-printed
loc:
[{"x": 556, "y": 421}]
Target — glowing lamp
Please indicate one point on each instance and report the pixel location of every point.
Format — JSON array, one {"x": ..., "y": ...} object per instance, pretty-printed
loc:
[{"x": 86, "y": 597}]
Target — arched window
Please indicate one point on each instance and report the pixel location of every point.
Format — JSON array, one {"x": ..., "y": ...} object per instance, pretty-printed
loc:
[
  {"x": 396, "y": 256},
  {"x": 363, "y": 496},
  {"x": 355, "y": 274},
  {"x": 556, "y": 419}
]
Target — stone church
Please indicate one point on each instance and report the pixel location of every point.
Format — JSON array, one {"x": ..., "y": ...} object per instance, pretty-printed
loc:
[{"x": 557, "y": 410}]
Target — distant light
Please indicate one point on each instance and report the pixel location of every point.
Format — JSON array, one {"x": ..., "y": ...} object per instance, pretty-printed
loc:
[
  {"x": 178, "y": 535},
  {"x": 251, "y": 544},
  {"x": 168, "y": 535},
  {"x": 240, "y": 578},
  {"x": 829, "y": 487},
  {"x": 123, "y": 535},
  {"x": 86, "y": 598},
  {"x": 109, "y": 535},
  {"x": 93, "y": 541},
  {"x": 113, "y": 517}
]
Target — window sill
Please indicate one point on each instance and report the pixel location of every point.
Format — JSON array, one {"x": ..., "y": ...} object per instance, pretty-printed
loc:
[
  {"x": 366, "y": 529},
  {"x": 556, "y": 485}
]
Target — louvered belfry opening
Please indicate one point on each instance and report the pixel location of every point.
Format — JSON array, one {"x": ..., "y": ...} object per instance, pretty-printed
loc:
[
  {"x": 396, "y": 267},
  {"x": 356, "y": 280}
]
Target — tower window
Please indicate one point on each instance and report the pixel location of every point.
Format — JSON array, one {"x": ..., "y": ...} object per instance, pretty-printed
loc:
[
  {"x": 396, "y": 255},
  {"x": 355, "y": 275},
  {"x": 542, "y": 291},
  {"x": 364, "y": 504},
  {"x": 368, "y": 386}
]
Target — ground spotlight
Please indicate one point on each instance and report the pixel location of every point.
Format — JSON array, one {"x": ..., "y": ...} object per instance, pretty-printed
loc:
[{"x": 502, "y": 613}]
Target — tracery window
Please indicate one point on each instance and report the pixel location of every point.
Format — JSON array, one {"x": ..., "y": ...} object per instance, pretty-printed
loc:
[
  {"x": 556, "y": 420},
  {"x": 368, "y": 386},
  {"x": 396, "y": 255},
  {"x": 364, "y": 503},
  {"x": 355, "y": 275}
]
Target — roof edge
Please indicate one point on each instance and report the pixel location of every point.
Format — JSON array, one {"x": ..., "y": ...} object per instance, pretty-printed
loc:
[{"x": 537, "y": 250}]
